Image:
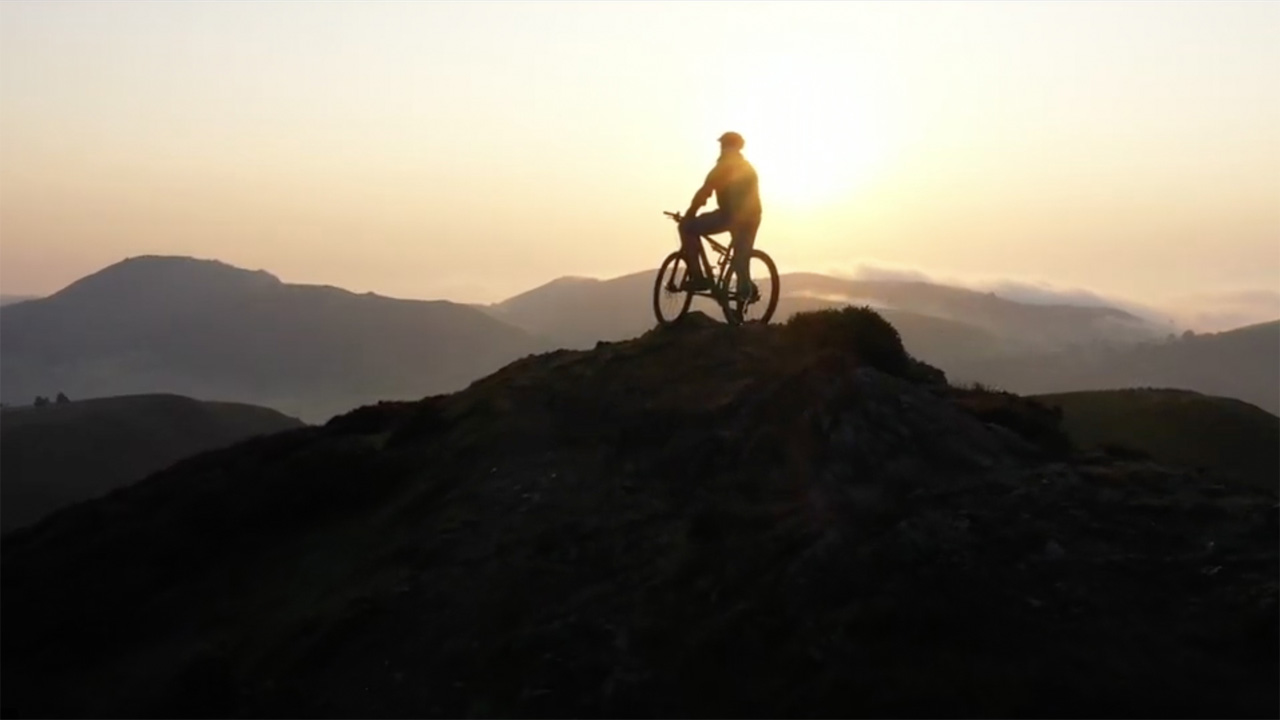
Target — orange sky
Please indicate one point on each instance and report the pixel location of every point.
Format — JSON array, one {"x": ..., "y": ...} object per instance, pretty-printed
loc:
[{"x": 473, "y": 150}]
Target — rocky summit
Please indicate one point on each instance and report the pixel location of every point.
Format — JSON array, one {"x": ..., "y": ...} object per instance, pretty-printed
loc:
[{"x": 763, "y": 521}]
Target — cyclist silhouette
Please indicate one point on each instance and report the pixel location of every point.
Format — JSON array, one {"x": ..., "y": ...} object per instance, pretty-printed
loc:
[{"x": 738, "y": 211}]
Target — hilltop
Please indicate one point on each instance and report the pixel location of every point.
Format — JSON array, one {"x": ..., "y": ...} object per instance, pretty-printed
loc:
[
  {"x": 11, "y": 299},
  {"x": 55, "y": 455},
  {"x": 208, "y": 330},
  {"x": 704, "y": 521}
]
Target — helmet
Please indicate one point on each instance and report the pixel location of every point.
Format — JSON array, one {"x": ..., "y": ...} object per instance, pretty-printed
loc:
[{"x": 733, "y": 140}]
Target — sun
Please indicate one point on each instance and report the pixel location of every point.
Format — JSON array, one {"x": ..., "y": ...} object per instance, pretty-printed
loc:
[{"x": 812, "y": 139}]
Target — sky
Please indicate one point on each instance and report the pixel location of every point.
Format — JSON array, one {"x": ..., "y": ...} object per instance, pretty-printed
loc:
[{"x": 473, "y": 150}]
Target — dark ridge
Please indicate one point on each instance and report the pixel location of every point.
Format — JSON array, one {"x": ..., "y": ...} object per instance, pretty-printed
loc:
[
  {"x": 65, "y": 452},
  {"x": 782, "y": 521}
]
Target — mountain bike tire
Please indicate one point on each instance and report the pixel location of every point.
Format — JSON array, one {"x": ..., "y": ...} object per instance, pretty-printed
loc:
[
  {"x": 762, "y": 309},
  {"x": 670, "y": 304}
]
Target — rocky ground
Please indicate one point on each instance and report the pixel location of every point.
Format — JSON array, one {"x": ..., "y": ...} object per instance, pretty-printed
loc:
[{"x": 770, "y": 521}]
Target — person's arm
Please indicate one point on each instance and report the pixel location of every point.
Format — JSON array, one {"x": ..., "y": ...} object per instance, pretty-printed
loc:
[{"x": 704, "y": 193}]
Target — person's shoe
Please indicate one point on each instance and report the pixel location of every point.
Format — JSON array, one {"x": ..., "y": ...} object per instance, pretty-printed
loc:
[
  {"x": 696, "y": 284},
  {"x": 750, "y": 293}
]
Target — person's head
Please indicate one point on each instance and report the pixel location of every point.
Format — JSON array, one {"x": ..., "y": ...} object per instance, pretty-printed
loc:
[{"x": 731, "y": 142}]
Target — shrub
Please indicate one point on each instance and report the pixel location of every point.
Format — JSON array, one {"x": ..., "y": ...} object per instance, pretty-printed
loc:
[
  {"x": 1034, "y": 421},
  {"x": 859, "y": 331}
]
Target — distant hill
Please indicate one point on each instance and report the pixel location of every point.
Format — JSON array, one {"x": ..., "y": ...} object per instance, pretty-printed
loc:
[
  {"x": 1228, "y": 438},
  {"x": 1018, "y": 326},
  {"x": 209, "y": 330},
  {"x": 782, "y": 521},
  {"x": 1243, "y": 363},
  {"x": 937, "y": 340},
  {"x": 942, "y": 325},
  {"x": 578, "y": 312},
  {"x": 972, "y": 336},
  {"x": 11, "y": 299},
  {"x": 57, "y": 454}
]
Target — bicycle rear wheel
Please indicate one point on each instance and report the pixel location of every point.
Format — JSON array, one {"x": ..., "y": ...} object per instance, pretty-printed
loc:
[
  {"x": 763, "y": 301},
  {"x": 670, "y": 300}
]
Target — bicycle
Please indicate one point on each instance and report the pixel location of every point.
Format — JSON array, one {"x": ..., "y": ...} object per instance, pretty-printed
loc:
[{"x": 671, "y": 299}]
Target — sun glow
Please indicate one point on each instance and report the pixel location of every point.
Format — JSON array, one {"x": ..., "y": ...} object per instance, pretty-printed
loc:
[{"x": 813, "y": 139}]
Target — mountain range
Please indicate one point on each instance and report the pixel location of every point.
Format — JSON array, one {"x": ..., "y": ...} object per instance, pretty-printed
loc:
[
  {"x": 1243, "y": 364},
  {"x": 577, "y": 312},
  {"x": 972, "y": 336},
  {"x": 211, "y": 331}
]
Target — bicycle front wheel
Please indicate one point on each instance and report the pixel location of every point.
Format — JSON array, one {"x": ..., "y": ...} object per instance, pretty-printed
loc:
[
  {"x": 670, "y": 299},
  {"x": 760, "y": 300}
]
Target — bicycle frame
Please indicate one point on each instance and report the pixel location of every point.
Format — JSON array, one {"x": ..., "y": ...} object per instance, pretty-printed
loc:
[{"x": 719, "y": 278}]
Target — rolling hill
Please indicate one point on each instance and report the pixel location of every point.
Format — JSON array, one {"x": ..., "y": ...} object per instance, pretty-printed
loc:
[
  {"x": 1227, "y": 438},
  {"x": 54, "y": 455},
  {"x": 974, "y": 337},
  {"x": 577, "y": 312},
  {"x": 1019, "y": 327},
  {"x": 208, "y": 330},
  {"x": 701, "y": 522},
  {"x": 1243, "y": 364},
  {"x": 11, "y": 299}
]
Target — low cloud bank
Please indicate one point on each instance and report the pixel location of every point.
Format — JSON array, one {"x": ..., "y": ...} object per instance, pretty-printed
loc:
[
  {"x": 1203, "y": 312},
  {"x": 1215, "y": 312}
]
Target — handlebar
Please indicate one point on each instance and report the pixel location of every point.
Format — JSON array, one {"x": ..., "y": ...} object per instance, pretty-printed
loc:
[{"x": 673, "y": 215}]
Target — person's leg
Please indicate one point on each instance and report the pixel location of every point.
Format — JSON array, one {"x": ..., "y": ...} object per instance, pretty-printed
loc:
[
  {"x": 744, "y": 240},
  {"x": 691, "y": 231}
]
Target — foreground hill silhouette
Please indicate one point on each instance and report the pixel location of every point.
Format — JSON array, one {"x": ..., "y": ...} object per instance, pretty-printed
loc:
[
  {"x": 58, "y": 454},
  {"x": 209, "y": 330},
  {"x": 705, "y": 521},
  {"x": 1231, "y": 439}
]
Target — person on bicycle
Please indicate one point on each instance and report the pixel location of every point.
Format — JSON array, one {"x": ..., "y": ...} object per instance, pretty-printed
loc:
[{"x": 738, "y": 211}]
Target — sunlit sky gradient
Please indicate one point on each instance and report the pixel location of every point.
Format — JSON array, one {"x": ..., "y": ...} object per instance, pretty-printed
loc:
[{"x": 473, "y": 150}]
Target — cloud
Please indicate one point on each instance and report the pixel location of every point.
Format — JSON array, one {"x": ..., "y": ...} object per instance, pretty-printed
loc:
[
  {"x": 1037, "y": 292},
  {"x": 1202, "y": 312},
  {"x": 1024, "y": 290},
  {"x": 1215, "y": 312},
  {"x": 890, "y": 273},
  {"x": 876, "y": 271},
  {"x": 1042, "y": 293},
  {"x": 844, "y": 299}
]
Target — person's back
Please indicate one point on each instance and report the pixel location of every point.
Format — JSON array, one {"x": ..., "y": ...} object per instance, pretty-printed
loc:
[{"x": 738, "y": 190}]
